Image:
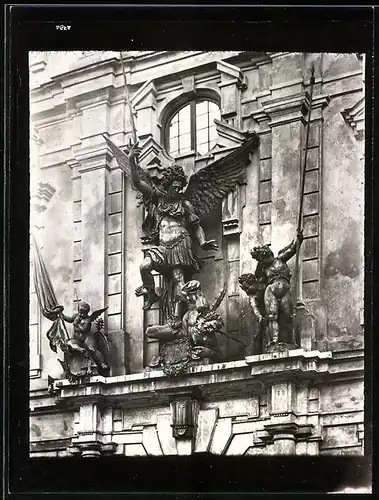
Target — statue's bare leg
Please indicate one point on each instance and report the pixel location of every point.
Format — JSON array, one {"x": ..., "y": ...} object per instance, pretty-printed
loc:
[
  {"x": 148, "y": 287},
  {"x": 272, "y": 310},
  {"x": 73, "y": 346},
  {"x": 95, "y": 353},
  {"x": 178, "y": 279},
  {"x": 286, "y": 309}
]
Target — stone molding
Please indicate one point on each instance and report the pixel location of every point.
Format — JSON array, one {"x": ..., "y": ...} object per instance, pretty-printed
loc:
[
  {"x": 282, "y": 423},
  {"x": 315, "y": 366},
  {"x": 355, "y": 117}
]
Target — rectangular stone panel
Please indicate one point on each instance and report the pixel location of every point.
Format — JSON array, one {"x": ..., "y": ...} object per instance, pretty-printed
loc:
[
  {"x": 311, "y": 290},
  {"x": 76, "y": 189},
  {"x": 313, "y": 159},
  {"x": 77, "y": 231},
  {"x": 114, "y": 322},
  {"x": 114, "y": 223},
  {"x": 115, "y": 182},
  {"x": 114, "y": 263},
  {"x": 114, "y": 303},
  {"x": 115, "y": 203},
  {"x": 265, "y": 169},
  {"x": 311, "y": 183},
  {"x": 77, "y": 270},
  {"x": 114, "y": 243},
  {"x": 310, "y": 248},
  {"x": 77, "y": 250},
  {"x": 266, "y": 234},
  {"x": 114, "y": 283},
  {"x": 310, "y": 204},
  {"x": 265, "y": 213},
  {"x": 265, "y": 145},
  {"x": 310, "y": 224},
  {"x": 264, "y": 191},
  {"x": 77, "y": 211},
  {"x": 314, "y": 134},
  {"x": 310, "y": 270},
  {"x": 339, "y": 436}
]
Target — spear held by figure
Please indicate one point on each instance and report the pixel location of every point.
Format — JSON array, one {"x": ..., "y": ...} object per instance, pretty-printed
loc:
[{"x": 298, "y": 290}]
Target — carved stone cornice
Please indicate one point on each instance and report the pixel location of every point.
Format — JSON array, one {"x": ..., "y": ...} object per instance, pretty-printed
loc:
[
  {"x": 144, "y": 96},
  {"x": 93, "y": 160},
  {"x": 229, "y": 135},
  {"x": 288, "y": 109},
  {"x": 355, "y": 117}
]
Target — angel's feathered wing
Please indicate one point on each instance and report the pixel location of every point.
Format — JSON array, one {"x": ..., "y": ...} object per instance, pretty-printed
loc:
[
  {"x": 123, "y": 162},
  {"x": 207, "y": 187},
  {"x": 97, "y": 313}
]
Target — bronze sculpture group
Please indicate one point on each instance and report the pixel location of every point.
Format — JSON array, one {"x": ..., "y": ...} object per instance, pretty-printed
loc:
[
  {"x": 174, "y": 208},
  {"x": 269, "y": 292}
]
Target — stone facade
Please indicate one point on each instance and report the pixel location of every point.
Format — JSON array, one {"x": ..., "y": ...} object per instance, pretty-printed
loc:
[{"x": 88, "y": 225}]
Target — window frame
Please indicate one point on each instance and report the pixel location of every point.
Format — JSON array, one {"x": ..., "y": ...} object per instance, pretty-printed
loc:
[{"x": 176, "y": 109}]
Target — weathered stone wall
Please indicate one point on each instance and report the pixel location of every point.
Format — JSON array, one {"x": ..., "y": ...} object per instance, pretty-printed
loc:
[
  {"x": 90, "y": 233},
  {"x": 303, "y": 403}
]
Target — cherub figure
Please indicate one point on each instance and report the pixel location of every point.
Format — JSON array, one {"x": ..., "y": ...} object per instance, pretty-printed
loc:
[
  {"x": 254, "y": 287},
  {"x": 275, "y": 273},
  {"x": 173, "y": 218},
  {"x": 83, "y": 340}
]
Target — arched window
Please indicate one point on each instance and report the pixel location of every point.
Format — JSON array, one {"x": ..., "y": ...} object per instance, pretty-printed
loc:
[{"x": 192, "y": 128}]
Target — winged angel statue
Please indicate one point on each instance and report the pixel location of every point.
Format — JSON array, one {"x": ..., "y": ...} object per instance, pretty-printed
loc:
[{"x": 173, "y": 216}]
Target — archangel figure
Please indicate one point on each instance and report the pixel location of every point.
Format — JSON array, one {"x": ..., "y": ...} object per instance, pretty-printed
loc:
[
  {"x": 173, "y": 218},
  {"x": 274, "y": 304},
  {"x": 84, "y": 340}
]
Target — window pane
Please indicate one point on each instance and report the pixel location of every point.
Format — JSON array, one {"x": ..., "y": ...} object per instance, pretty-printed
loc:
[
  {"x": 174, "y": 119},
  {"x": 201, "y": 108},
  {"x": 214, "y": 110},
  {"x": 201, "y": 122},
  {"x": 212, "y": 144},
  {"x": 174, "y": 128},
  {"x": 174, "y": 144},
  {"x": 202, "y": 149},
  {"x": 184, "y": 114},
  {"x": 201, "y": 136},
  {"x": 184, "y": 142},
  {"x": 184, "y": 126},
  {"x": 212, "y": 133}
]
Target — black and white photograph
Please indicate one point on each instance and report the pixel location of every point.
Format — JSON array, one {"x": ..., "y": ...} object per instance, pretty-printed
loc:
[{"x": 196, "y": 253}]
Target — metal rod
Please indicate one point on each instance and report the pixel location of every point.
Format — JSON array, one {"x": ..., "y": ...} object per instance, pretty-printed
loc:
[
  {"x": 126, "y": 92},
  {"x": 300, "y": 217},
  {"x": 298, "y": 294}
]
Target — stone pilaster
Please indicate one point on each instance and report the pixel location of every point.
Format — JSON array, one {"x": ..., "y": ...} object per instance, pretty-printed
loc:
[
  {"x": 233, "y": 82},
  {"x": 91, "y": 438},
  {"x": 94, "y": 172}
]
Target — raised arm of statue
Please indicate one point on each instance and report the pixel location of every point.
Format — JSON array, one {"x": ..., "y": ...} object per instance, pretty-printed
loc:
[
  {"x": 290, "y": 250},
  {"x": 137, "y": 180}
]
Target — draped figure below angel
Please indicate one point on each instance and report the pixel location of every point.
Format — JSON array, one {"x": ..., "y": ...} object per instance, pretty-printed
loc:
[{"x": 173, "y": 218}]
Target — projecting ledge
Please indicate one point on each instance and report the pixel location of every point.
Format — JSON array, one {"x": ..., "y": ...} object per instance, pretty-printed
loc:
[{"x": 298, "y": 365}]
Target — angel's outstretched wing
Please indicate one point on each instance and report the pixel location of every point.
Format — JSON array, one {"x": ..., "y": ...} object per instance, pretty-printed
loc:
[
  {"x": 97, "y": 313},
  {"x": 207, "y": 187},
  {"x": 123, "y": 162}
]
